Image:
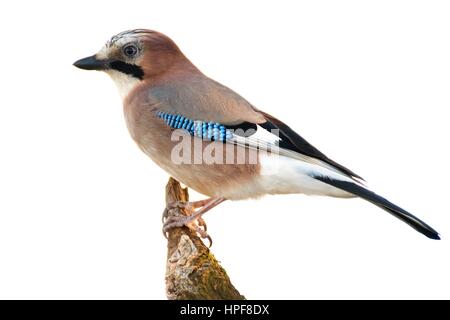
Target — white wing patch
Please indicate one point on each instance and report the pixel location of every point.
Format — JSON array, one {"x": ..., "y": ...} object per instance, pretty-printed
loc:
[{"x": 269, "y": 141}]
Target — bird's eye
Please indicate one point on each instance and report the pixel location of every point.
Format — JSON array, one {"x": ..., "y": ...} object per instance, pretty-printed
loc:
[{"x": 130, "y": 51}]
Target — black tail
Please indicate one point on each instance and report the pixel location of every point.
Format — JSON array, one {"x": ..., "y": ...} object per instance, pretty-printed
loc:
[{"x": 381, "y": 202}]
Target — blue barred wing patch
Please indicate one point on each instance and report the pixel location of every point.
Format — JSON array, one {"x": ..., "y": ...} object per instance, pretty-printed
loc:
[{"x": 212, "y": 131}]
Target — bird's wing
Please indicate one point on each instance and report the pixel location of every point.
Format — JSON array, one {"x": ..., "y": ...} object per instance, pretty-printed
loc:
[{"x": 209, "y": 101}]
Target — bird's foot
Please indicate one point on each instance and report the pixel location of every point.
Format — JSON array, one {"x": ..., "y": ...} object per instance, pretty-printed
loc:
[{"x": 182, "y": 214}]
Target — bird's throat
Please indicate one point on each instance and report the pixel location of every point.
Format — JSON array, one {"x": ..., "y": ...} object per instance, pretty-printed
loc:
[{"x": 125, "y": 83}]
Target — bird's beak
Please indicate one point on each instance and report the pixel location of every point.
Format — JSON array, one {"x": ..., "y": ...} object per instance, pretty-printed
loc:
[{"x": 91, "y": 63}]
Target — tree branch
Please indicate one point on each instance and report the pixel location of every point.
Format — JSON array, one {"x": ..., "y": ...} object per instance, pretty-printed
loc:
[{"x": 192, "y": 271}]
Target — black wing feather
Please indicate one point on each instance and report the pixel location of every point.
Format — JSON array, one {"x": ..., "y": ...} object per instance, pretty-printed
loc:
[{"x": 293, "y": 141}]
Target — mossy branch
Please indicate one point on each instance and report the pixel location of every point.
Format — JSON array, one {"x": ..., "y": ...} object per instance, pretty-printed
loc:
[{"x": 192, "y": 271}]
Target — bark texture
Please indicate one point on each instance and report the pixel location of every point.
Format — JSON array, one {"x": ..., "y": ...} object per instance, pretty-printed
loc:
[{"x": 192, "y": 271}]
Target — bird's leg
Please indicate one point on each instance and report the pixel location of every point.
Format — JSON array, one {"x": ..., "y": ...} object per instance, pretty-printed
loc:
[{"x": 188, "y": 216}]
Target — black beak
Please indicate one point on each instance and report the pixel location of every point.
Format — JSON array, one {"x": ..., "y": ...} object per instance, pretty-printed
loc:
[{"x": 91, "y": 63}]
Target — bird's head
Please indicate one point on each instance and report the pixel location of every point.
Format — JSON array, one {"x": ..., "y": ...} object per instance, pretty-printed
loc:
[{"x": 134, "y": 56}]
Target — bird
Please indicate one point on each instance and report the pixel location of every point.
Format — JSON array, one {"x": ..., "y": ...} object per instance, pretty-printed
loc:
[{"x": 213, "y": 140}]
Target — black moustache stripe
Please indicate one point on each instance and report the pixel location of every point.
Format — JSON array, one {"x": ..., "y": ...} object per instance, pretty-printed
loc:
[{"x": 131, "y": 69}]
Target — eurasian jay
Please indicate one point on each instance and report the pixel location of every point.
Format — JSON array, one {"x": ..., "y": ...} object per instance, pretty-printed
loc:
[{"x": 211, "y": 139}]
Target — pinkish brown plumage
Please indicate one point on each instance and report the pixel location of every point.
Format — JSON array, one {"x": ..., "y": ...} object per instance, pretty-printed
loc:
[{"x": 162, "y": 90}]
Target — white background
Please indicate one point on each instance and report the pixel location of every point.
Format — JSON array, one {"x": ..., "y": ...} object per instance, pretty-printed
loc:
[{"x": 367, "y": 82}]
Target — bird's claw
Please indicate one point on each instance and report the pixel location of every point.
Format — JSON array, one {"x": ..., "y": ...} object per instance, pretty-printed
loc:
[
  {"x": 181, "y": 214},
  {"x": 177, "y": 206}
]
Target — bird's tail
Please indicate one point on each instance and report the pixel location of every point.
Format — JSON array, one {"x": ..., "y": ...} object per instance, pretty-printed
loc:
[{"x": 381, "y": 202}]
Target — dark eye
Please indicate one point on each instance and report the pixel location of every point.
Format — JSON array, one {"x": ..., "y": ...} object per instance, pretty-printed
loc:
[{"x": 130, "y": 50}]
